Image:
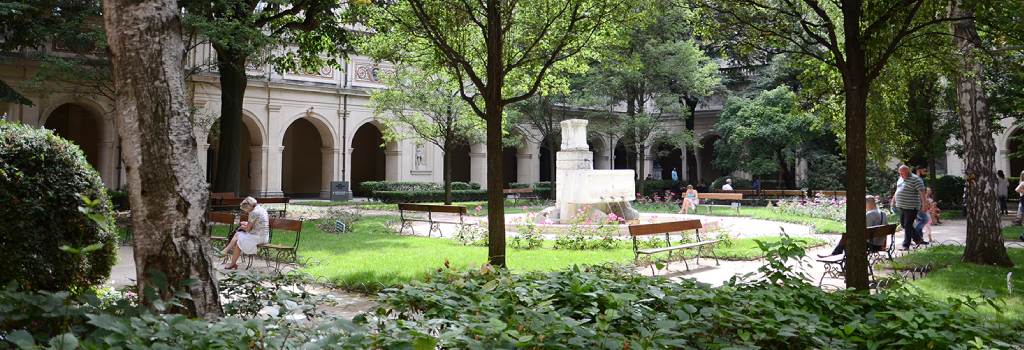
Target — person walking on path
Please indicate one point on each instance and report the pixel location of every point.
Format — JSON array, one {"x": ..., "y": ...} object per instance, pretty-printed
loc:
[
  {"x": 1020, "y": 203},
  {"x": 1002, "y": 190},
  {"x": 675, "y": 175},
  {"x": 910, "y": 198}
]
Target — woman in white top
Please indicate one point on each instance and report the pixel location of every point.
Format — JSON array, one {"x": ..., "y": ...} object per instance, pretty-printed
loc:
[{"x": 250, "y": 233}]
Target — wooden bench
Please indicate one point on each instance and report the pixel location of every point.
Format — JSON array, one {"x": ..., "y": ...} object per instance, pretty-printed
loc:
[
  {"x": 835, "y": 266},
  {"x": 430, "y": 209},
  {"x": 279, "y": 253},
  {"x": 735, "y": 197},
  {"x": 519, "y": 193},
  {"x": 832, "y": 194},
  {"x": 215, "y": 219},
  {"x": 230, "y": 204},
  {"x": 783, "y": 193},
  {"x": 667, "y": 228}
]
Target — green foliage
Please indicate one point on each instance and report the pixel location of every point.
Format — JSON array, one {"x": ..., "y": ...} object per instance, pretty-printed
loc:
[
  {"x": 428, "y": 196},
  {"x": 293, "y": 35},
  {"x": 607, "y": 308},
  {"x": 52, "y": 199},
  {"x": 949, "y": 191},
  {"x": 332, "y": 215},
  {"x": 368, "y": 188},
  {"x": 737, "y": 184},
  {"x": 763, "y": 135}
]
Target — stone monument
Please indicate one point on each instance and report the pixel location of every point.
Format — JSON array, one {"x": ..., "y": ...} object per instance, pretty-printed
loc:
[{"x": 580, "y": 186}]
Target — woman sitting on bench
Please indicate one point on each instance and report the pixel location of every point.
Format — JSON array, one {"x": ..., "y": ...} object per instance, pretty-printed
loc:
[
  {"x": 874, "y": 217},
  {"x": 250, "y": 233},
  {"x": 690, "y": 200}
]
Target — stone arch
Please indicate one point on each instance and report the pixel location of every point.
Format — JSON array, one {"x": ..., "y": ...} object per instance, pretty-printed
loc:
[
  {"x": 544, "y": 158},
  {"x": 667, "y": 157},
  {"x": 1014, "y": 144},
  {"x": 625, "y": 156},
  {"x": 369, "y": 161},
  {"x": 83, "y": 123},
  {"x": 250, "y": 160},
  {"x": 461, "y": 163},
  {"x": 706, "y": 156},
  {"x": 307, "y": 159}
]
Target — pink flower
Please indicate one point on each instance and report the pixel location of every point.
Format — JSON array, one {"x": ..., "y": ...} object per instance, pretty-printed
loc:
[
  {"x": 478, "y": 209},
  {"x": 613, "y": 217},
  {"x": 547, "y": 221}
]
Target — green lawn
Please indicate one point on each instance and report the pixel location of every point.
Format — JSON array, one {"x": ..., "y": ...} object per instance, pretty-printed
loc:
[
  {"x": 952, "y": 278},
  {"x": 1012, "y": 233},
  {"x": 372, "y": 256},
  {"x": 820, "y": 225}
]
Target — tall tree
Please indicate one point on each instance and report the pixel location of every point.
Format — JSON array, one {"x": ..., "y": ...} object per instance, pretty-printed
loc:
[
  {"x": 659, "y": 61},
  {"x": 165, "y": 183},
  {"x": 429, "y": 106},
  {"x": 855, "y": 38},
  {"x": 505, "y": 49},
  {"x": 763, "y": 135},
  {"x": 984, "y": 234},
  {"x": 290, "y": 34},
  {"x": 539, "y": 119}
]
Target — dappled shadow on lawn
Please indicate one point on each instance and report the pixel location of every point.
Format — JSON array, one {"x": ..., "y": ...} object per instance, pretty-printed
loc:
[{"x": 951, "y": 278}]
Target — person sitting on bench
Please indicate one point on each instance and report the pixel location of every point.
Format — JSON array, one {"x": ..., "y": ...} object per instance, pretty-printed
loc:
[
  {"x": 874, "y": 217},
  {"x": 250, "y": 233},
  {"x": 690, "y": 200}
]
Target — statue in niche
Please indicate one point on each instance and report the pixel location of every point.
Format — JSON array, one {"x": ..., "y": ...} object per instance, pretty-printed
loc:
[{"x": 419, "y": 157}]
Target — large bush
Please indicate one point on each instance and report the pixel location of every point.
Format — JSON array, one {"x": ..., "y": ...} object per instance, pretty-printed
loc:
[
  {"x": 949, "y": 191},
  {"x": 43, "y": 179},
  {"x": 370, "y": 188}
]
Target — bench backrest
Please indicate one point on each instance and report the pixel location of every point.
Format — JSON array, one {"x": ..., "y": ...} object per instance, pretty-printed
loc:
[
  {"x": 290, "y": 225},
  {"x": 434, "y": 208},
  {"x": 517, "y": 190},
  {"x": 220, "y": 218},
  {"x": 664, "y": 227},
  {"x": 272, "y": 200},
  {"x": 830, "y": 193},
  {"x": 222, "y": 195},
  {"x": 783, "y": 193},
  {"x": 722, "y": 196},
  {"x": 881, "y": 231}
]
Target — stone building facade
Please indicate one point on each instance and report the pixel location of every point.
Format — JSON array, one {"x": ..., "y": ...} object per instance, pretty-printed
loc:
[{"x": 306, "y": 129}]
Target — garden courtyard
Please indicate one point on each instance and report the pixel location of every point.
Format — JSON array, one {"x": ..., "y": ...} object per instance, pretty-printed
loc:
[{"x": 373, "y": 255}]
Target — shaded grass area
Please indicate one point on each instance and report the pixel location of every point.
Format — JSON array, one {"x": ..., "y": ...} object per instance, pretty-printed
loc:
[
  {"x": 373, "y": 257},
  {"x": 951, "y": 278},
  {"x": 763, "y": 213},
  {"x": 1012, "y": 233}
]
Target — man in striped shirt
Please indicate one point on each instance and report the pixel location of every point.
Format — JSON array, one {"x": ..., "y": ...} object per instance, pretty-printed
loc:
[{"x": 910, "y": 197}]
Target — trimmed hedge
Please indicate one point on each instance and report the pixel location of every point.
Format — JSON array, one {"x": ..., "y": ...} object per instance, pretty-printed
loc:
[
  {"x": 429, "y": 196},
  {"x": 369, "y": 188},
  {"x": 42, "y": 181}
]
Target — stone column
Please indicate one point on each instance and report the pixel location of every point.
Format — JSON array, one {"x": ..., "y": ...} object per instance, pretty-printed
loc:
[
  {"x": 329, "y": 172},
  {"x": 684, "y": 170},
  {"x": 203, "y": 148},
  {"x": 275, "y": 162},
  {"x": 348, "y": 166},
  {"x": 700, "y": 174},
  {"x": 257, "y": 170},
  {"x": 393, "y": 165},
  {"x": 478, "y": 164},
  {"x": 107, "y": 159},
  {"x": 574, "y": 155},
  {"x": 648, "y": 163}
]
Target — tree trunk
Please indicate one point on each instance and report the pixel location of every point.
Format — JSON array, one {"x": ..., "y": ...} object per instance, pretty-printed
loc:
[
  {"x": 691, "y": 162},
  {"x": 447, "y": 173},
  {"x": 855, "y": 86},
  {"x": 552, "y": 163},
  {"x": 984, "y": 235},
  {"x": 641, "y": 155},
  {"x": 493, "y": 110},
  {"x": 233, "y": 81},
  {"x": 165, "y": 182}
]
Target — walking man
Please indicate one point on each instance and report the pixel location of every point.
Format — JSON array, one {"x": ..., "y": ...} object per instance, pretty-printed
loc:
[{"x": 910, "y": 197}]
